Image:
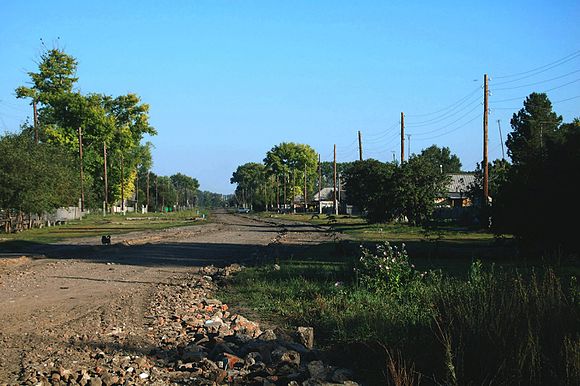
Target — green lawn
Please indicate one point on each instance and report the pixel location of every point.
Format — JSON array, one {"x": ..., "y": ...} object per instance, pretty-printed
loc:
[{"x": 113, "y": 224}]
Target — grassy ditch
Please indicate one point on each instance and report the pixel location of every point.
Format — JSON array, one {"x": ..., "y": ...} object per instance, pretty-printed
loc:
[
  {"x": 114, "y": 224},
  {"x": 399, "y": 325}
]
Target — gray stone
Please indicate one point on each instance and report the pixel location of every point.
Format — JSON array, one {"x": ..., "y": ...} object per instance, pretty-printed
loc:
[
  {"x": 317, "y": 370},
  {"x": 268, "y": 335},
  {"x": 306, "y": 336},
  {"x": 95, "y": 382},
  {"x": 342, "y": 375}
]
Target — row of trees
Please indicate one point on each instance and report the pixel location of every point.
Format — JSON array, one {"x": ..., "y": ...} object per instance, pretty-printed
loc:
[
  {"x": 533, "y": 196},
  {"x": 105, "y": 131},
  {"x": 384, "y": 190},
  {"x": 389, "y": 191},
  {"x": 82, "y": 146},
  {"x": 289, "y": 170}
]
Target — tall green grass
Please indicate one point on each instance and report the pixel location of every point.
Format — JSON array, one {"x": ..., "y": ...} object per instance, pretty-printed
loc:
[{"x": 492, "y": 327}]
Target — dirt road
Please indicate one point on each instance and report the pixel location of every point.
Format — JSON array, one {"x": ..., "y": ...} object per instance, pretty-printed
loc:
[{"x": 78, "y": 292}]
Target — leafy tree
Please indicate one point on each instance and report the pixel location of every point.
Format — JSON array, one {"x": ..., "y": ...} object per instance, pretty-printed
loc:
[
  {"x": 418, "y": 183},
  {"x": 250, "y": 178},
  {"x": 167, "y": 194},
  {"x": 210, "y": 200},
  {"x": 55, "y": 77},
  {"x": 36, "y": 177},
  {"x": 328, "y": 172},
  {"x": 186, "y": 187},
  {"x": 442, "y": 158},
  {"x": 119, "y": 123},
  {"x": 498, "y": 175},
  {"x": 370, "y": 186},
  {"x": 289, "y": 160}
]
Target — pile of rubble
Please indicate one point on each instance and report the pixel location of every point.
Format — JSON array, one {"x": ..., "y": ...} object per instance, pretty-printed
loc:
[{"x": 197, "y": 340}]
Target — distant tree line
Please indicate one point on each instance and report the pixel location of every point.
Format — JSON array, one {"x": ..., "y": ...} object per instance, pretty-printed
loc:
[
  {"x": 289, "y": 170},
  {"x": 384, "y": 190},
  {"x": 533, "y": 197}
]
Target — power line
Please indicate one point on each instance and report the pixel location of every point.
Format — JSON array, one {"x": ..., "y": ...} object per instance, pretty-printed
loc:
[
  {"x": 446, "y": 108},
  {"x": 443, "y": 118},
  {"x": 544, "y": 91},
  {"x": 535, "y": 83},
  {"x": 541, "y": 69},
  {"x": 451, "y": 131},
  {"x": 447, "y": 125},
  {"x": 553, "y": 103},
  {"x": 347, "y": 146},
  {"x": 382, "y": 133},
  {"x": 381, "y": 140},
  {"x": 563, "y": 85}
]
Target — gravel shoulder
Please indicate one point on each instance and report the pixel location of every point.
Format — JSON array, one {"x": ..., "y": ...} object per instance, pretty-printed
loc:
[{"x": 68, "y": 301}]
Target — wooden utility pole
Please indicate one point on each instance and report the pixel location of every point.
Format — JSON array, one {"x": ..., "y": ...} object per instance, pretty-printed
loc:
[
  {"x": 81, "y": 169},
  {"x": 105, "y": 176},
  {"x": 360, "y": 157},
  {"x": 293, "y": 198},
  {"x": 334, "y": 195},
  {"x": 122, "y": 184},
  {"x": 35, "y": 111},
  {"x": 277, "y": 192},
  {"x": 485, "y": 168},
  {"x": 500, "y": 139},
  {"x": 402, "y": 137},
  {"x": 408, "y": 145},
  {"x": 305, "y": 193},
  {"x": 319, "y": 185},
  {"x": 156, "y": 196},
  {"x": 284, "y": 204},
  {"x": 266, "y": 195},
  {"x": 136, "y": 192},
  {"x": 148, "y": 173}
]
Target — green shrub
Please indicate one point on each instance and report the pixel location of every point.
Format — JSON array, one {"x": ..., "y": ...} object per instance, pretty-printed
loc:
[{"x": 386, "y": 269}]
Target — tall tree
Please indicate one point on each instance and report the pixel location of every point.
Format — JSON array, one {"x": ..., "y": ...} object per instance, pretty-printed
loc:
[
  {"x": 532, "y": 126},
  {"x": 118, "y": 123},
  {"x": 288, "y": 160},
  {"x": 250, "y": 179},
  {"x": 419, "y": 183},
  {"x": 534, "y": 202},
  {"x": 370, "y": 185},
  {"x": 186, "y": 187},
  {"x": 328, "y": 171},
  {"x": 35, "y": 177},
  {"x": 442, "y": 158}
]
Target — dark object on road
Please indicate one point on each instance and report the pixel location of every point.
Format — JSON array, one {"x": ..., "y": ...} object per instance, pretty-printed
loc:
[{"x": 106, "y": 240}]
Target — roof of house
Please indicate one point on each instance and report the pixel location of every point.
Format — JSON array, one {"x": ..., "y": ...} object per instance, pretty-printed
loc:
[
  {"x": 460, "y": 182},
  {"x": 326, "y": 194}
]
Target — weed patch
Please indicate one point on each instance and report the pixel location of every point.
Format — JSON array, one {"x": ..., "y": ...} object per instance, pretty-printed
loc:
[{"x": 399, "y": 325}]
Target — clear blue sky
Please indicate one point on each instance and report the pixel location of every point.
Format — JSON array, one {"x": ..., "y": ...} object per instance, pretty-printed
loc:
[{"x": 227, "y": 80}]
